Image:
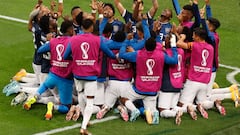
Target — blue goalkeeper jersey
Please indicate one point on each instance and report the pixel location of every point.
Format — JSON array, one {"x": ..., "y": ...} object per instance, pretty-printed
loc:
[{"x": 165, "y": 30}]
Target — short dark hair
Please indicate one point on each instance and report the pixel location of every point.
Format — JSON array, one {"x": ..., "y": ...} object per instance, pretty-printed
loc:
[
  {"x": 75, "y": 7},
  {"x": 215, "y": 22},
  {"x": 189, "y": 8},
  {"x": 150, "y": 44},
  {"x": 87, "y": 23},
  {"x": 66, "y": 24},
  {"x": 119, "y": 36},
  {"x": 111, "y": 6},
  {"x": 188, "y": 32},
  {"x": 202, "y": 33}
]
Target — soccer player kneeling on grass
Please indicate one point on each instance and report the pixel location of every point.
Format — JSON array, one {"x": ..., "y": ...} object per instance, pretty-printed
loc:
[
  {"x": 198, "y": 76},
  {"x": 60, "y": 75},
  {"x": 149, "y": 67}
]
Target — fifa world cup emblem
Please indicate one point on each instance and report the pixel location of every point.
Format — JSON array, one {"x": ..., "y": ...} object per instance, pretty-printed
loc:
[
  {"x": 205, "y": 55},
  {"x": 59, "y": 49},
  {"x": 179, "y": 62},
  {"x": 84, "y": 47},
  {"x": 150, "y": 64}
]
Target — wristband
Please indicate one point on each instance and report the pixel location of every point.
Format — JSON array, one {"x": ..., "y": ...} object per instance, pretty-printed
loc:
[
  {"x": 60, "y": 1},
  {"x": 100, "y": 16},
  {"x": 94, "y": 11}
]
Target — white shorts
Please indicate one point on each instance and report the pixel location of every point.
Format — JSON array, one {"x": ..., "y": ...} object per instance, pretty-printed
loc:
[
  {"x": 114, "y": 90},
  {"x": 210, "y": 85},
  {"x": 37, "y": 71},
  {"x": 89, "y": 87},
  {"x": 149, "y": 102},
  {"x": 168, "y": 100},
  {"x": 99, "y": 96},
  {"x": 193, "y": 90}
]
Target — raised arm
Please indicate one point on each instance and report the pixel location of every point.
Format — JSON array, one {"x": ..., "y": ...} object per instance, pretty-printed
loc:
[
  {"x": 145, "y": 26},
  {"x": 60, "y": 8},
  {"x": 196, "y": 15},
  {"x": 94, "y": 8},
  {"x": 176, "y": 6},
  {"x": 31, "y": 18},
  {"x": 208, "y": 9},
  {"x": 210, "y": 35},
  {"x": 59, "y": 12},
  {"x": 119, "y": 6},
  {"x": 154, "y": 8},
  {"x": 136, "y": 11},
  {"x": 35, "y": 11},
  {"x": 102, "y": 25}
]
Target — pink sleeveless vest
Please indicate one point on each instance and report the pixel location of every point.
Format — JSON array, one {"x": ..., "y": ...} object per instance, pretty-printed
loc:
[
  {"x": 120, "y": 69},
  {"x": 60, "y": 66},
  {"x": 201, "y": 62},
  {"x": 149, "y": 68},
  {"x": 86, "y": 55},
  {"x": 176, "y": 72},
  {"x": 187, "y": 24}
]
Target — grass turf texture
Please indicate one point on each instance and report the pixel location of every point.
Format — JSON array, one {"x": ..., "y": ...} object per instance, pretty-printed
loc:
[{"x": 16, "y": 51}]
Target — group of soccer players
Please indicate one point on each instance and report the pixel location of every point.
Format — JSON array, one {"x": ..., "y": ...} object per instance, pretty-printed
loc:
[{"x": 144, "y": 66}]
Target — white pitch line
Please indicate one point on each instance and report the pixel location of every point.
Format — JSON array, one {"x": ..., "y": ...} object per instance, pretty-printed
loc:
[
  {"x": 229, "y": 67},
  {"x": 13, "y": 19},
  {"x": 57, "y": 130},
  {"x": 230, "y": 76}
]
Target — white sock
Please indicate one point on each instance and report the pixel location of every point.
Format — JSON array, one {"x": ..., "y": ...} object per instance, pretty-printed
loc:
[
  {"x": 55, "y": 107},
  {"x": 221, "y": 96},
  {"x": 208, "y": 104},
  {"x": 168, "y": 113},
  {"x": 96, "y": 109},
  {"x": 29, "y": 90},
  {"x": 87, "y": 113},
  {"x": 221, "y": 90},
  {"x": 81, "y": 101},
  {"x": 29, "y": 80},
  {"x": 45, "y": 100},
  {"x": 130, "y": 105}
]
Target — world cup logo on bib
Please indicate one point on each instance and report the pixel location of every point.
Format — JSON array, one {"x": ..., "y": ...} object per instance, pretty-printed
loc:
[
  {"x": 205, "y": 55},
  {"x": 84, "y": 47},
  {"x": 150, "y": 64},
  {"x": 59, "y": 49}
]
